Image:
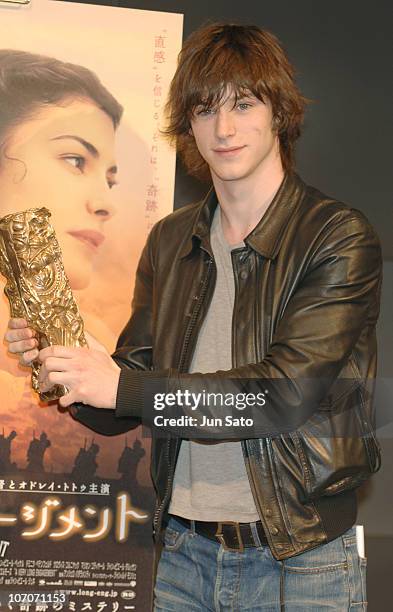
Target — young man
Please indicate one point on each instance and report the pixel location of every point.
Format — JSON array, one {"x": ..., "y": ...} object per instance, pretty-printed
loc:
[{"x": 269, "y": 286}]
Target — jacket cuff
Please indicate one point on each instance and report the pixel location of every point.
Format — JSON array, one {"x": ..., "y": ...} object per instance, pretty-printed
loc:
[{"x": 136, "y": 390}]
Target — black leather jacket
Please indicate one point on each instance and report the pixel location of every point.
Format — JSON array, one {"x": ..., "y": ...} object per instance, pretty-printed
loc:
[{"x": 306, "y": 305}]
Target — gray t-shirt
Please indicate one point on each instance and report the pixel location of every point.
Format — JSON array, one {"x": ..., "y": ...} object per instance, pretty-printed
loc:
[{"x": 211, "y": 482}]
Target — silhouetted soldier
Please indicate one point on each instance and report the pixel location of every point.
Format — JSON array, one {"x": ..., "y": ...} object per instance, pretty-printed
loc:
[
  {"x": 85, "y": 465},
  {"x": 5, "y": 452},
  {"x": 128, "y": 463},
  {"x": 36, "y": 451}
]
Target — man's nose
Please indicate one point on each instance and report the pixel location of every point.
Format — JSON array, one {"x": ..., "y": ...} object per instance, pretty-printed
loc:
[{"x": 225, "y": 125}]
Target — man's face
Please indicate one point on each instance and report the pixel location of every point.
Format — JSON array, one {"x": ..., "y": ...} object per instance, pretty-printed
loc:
[{"x": 236, "y": 139}]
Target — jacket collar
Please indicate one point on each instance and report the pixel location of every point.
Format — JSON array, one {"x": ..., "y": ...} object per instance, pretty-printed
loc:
[{"x": 266, "y": 237}]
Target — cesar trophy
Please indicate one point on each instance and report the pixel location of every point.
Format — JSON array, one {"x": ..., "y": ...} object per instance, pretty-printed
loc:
[{"x": 37, "y": 287}]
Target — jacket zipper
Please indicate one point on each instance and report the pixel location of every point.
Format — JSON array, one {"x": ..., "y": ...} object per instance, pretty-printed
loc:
[
  {"x": 182, "y": 368},
  {"x": 243, "y": 443},
  {"x": 260, "y": 350},
  {"x": 183, "y": 365}
]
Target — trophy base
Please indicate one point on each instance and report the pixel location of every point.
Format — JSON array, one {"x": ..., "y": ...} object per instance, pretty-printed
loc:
[{"x": 53, "y": 394}]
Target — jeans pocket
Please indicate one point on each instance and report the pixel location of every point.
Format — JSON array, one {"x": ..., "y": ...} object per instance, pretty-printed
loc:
[
  {"x": 317, "y": 579},
  {"x": 357, "y": 567}
]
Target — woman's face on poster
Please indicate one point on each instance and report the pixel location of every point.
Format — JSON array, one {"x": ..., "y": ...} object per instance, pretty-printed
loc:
[{"x": 63, "y": 158}]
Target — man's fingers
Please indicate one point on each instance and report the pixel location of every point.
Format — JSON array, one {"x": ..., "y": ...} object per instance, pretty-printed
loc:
[
  {"x": 67, "y": 400},
  {"x": 52, "y": 378},
  {"x": 44, "y": 386},
  {"x": 55, "y": 364},
  {"x": 27, "y": 357},
  {"x": 23, "y": 345},
  {"x": 50, "y": 368},
  {"x": 58, "y": 351},
  {"x": 15, "y": 323},
  {"x": 13, "y": 335}
]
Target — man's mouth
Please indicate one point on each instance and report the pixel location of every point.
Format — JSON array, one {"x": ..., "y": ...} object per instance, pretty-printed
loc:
[{"x": 228, "y": 151}]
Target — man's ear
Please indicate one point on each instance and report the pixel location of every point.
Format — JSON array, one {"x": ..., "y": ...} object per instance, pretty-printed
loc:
[
  {"x": 277, "y": 122},
  {"x": 190, "y": 132}
]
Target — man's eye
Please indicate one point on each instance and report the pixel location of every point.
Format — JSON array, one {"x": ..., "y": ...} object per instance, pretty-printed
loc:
[
  {"x": 244, "y": 105},
  {"x": 204, "y": 112},
  {"x": 76, "y": 160}
]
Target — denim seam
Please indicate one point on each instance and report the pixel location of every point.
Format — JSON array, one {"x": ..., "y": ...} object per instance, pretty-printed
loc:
[
  {"x": 217, "y": 586},
  {"x": 317, "y": 570},
  {"x": 362, "y": 565},
  {"x": 282, "y": 587},
  {"x": 235, "y": 598},
  {"x": 350, "y": 541}
]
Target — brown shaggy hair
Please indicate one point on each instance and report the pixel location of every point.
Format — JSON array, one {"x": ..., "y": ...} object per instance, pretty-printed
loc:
[{"x": 249, "y": 60}]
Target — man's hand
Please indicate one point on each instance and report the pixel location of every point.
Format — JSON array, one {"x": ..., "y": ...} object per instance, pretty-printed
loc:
[
  {"x": 90, "y": 374},
  {"x": 21, "y": 341}
]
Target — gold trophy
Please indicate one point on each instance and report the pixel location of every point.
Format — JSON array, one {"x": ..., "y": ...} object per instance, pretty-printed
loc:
[{"x": 37, "y": 286}]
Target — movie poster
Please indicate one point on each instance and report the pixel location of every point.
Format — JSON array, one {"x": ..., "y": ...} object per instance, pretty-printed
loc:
[{"x": 75, "y": 507}]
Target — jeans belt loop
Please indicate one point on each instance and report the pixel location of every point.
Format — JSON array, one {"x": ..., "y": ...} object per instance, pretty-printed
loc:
[
  {"x": 221, "y": 538},
  {"x": 255, "y": 534}
]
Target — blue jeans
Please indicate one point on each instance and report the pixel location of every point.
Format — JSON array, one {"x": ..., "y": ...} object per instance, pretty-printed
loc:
[{"x": 197, "y": 574}]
